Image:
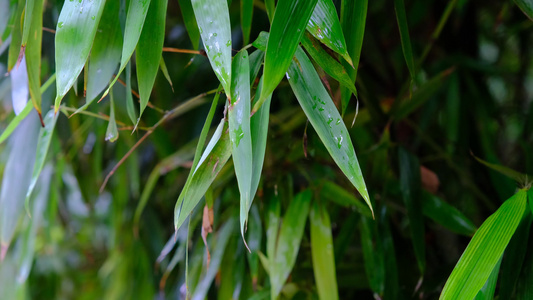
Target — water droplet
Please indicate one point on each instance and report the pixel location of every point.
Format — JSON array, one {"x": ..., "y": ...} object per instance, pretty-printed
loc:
[
  {"x": 314, "y": 106},
  {"x": 330, "y": 120},
  {"x": 60, "y": 25},
  {"x": 93, "y": 17},
  {"x": 228, "y": 43},
  {"x": 239, "y": 134},
  {"x": 338, "y": 121},
  {"x": 215, "y": 34},
  {"x": 321, "y": 108},
  {"x": 201, "y": 30}
]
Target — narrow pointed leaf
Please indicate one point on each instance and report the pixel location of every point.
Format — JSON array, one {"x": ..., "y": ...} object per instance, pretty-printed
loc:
[
  {"x": 32, "y": 45},
  {"x": 76, "y": 28},
  {"x": 112, "y": 131},
  {"x": 322, "y": 253},
  {"x": 239, "y": 131},
  {"x": 254, "y": 238},
  {"x": 333, "y": 192},
  {"x": 373, "y": 254},
  {"x": 328, "y": 63},
  {"x": 353, "y": 21},
  {"x": 446, "y": 215},
  {"x": 411, "y": 194},
  {"x": 190, "y": 22},
  {"x": 130, "y": 105},
  {"x": 516, "y": 176},
  {"x": 289, "y": 239},
  {"x": 272, "y": 226},
  {"x": 214, "y": 158},
  {"x": 215, "y": 28},
  {"x": 29, "y": 12},
  {"x": 259, "y": 128},
  {"x": 16, "y": 37},
  {"x": 43, "y": 144},
  {"x": 476, "y": 264},
  {"x": 401, "y": 17},
  {"x": 526, "y": 6},
  {"x": 137, "y": 10},
  {"x": 326, "y": 120},
  {"x": 106, "y": 51},
  {"x": 164, "y": 70},
  {"x": 247, "y": 12},
  {"x": 288, "y": 27},
  {"x": 149, "y": 50},
  {"x": 270, "y": 8},
  {"x": 324, "y": 25}
]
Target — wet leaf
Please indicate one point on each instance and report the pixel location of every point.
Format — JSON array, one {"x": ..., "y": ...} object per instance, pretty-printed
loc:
[
  {"x": 190, "y": 22},
  {"x": 324, "y": 25},
  {"x": 526, "y": 6},
  {"x": 476, "y": 264},
  {"x": 239, "y": 131},
  {"x": 401, "y": 17},
  {"x": 322, "y": 253},
  {"x": 75, "y": 32},
  {"x": 31, "y": 42},
  {"x": 215, "y": 29},
  {"x": 288, "y": 242},
  {"x": 326, "y": 120},
  {"x": 149, "y": 50},
  {"x": 247, "y": 12},
  {"x": 106, "y": 51},
  {"x": 286, "y": 31}
]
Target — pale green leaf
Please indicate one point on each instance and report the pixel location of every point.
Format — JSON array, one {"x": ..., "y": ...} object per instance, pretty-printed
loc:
[{"x": 31, "y": 45}]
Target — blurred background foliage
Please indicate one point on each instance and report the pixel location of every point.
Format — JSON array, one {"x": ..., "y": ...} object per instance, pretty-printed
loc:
[{"x": 472, "y": 94}]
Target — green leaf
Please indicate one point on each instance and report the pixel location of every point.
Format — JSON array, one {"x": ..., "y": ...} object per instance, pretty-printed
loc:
[
  {"x": 526, "y": 6},
  {"x": 446, "y": 215},
  {"x": 516, "y": 176},
  {"x": 324, "y": 25},
  {"x": 261, "y": 41},
  {"x": 373, "y": 254},
  {"x": 484, "y": 250},
  {"x": 43, "y": 144},
  {"x": 410, "y": 188},
  {"x": 112, "y": 131},
  {"x": 164, "y": 70},
  {"x": 106, "y": 51},
  {"x": 149, "y": 50},
  {"x": 213, "y": 159},
  {"x": 322, "y": 253},
  {"x": 16, "y": 37},
  {"x": 270, "y": 8},
  {"x": 247, "y": 12},
  {"x": 334, "y": 192},
  {"x": 130, "y": 105},
  {"x": 353, "y": 21},
  {"x": 254, "y": 237},
  {"x": 272, "y": 230},
  {"x": 239, "y": 131},
  {"x": 75, "y": 32},
  {"x": 215, "y": 28},
  {"x": 328, "y": 63},
  {"x": 31, "y": 45},
  {"x": 323, "y": 115},
  {"x": 288, "y": 243},
  {"x": 288, "y": 27},
  {"x": 24, "y": 113},
  {"x": 190, "y": 22},
  {"x": 259, "y": 129},
  {"x": 137, "y": 10},
  {"x": 401, "y": 17},
  {"x": 487, "y": 291}
]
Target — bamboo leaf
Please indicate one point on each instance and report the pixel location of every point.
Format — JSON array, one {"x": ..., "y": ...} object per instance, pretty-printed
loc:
[
  {"x": 255, "y": 233},
  {"x": 476, "y": 264},
  {"x": 190, "y": 22},
  {"x": 270, "y": 9},
  {"x": 164, "y": 70},
  {"x": 446, "y": 215},
  {"x": 75, "y": 32},
  {"x": 288, "y": 243},
  {"x": 487, "y": 291},
  {"x": 328, "y": 63},
  {"x": 401, "y": 17},
  {"x": 322, "y": 253},
  {"x": 214, "y": 158},
  {"x": 516, "y": 176},
  {"x": 239, "y": 131},
  {"x": 526, "y": 6},
  {"x": 373, "y": 254},
  {"x": 410, "y": 188},
  {"x": 112, "y": 131},
  {"x": 353, "y": 21},
  {"x": 215, "y": 29},
  {"x": 333, "y": 192},
  {"x": 105, "y": 54},
  {"x": 43, "y": 144},
  {"x": 149, "y": 50},
  {"x": 16, "y": 37},
  {"x": 31, "y": 46},
  {"x": 130, "y": 105},
  {"x": 324, "y": 25},
  {"x": 247, "y": 12},
  {"x": 288, "y": 26},
  {"x": 326, "y": 120}
]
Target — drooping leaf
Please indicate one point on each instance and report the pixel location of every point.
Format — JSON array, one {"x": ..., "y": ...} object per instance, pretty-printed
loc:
[
  {"x": 214, "y": 25},
  {"x": 324, "y": 25},
  {"x": 75, "y": 32},
  {"x": 164, "y": 70},
  {"x": 239, "y": 131},
  {"x": 105, "y": 53},
  {"x": 214, "y": 158},
  {"x": 16, "y": 37},
  {"x": 130, "y": 105},
  {"x": 526, "y": 6},
  {"x": 288, "y": 242},
  {"x": 409, "y": 167},
  {"x": 286, "y": 31},
  {"x": 322, "y": 253},
  {"x": 401, "y": 17},
  {"x": 326, "y": 120},
  {"x": 446, "y": 215},
  {"x": 247, "y": 12},
  {"x": 328, "y": 63},
  {"x": 190, "y": 22},
  {"x": 476, "y": 264},
  {"x": 149, "y": 50},
  {"x": 31, "y": 42},
  {"x": 112, "y": 131},
  {"x": 270, "y": 8},
  {"x": 43, "y": 144}
]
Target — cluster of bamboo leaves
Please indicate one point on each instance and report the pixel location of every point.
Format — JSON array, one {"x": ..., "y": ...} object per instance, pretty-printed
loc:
[{"x": 310, "y": 43}]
